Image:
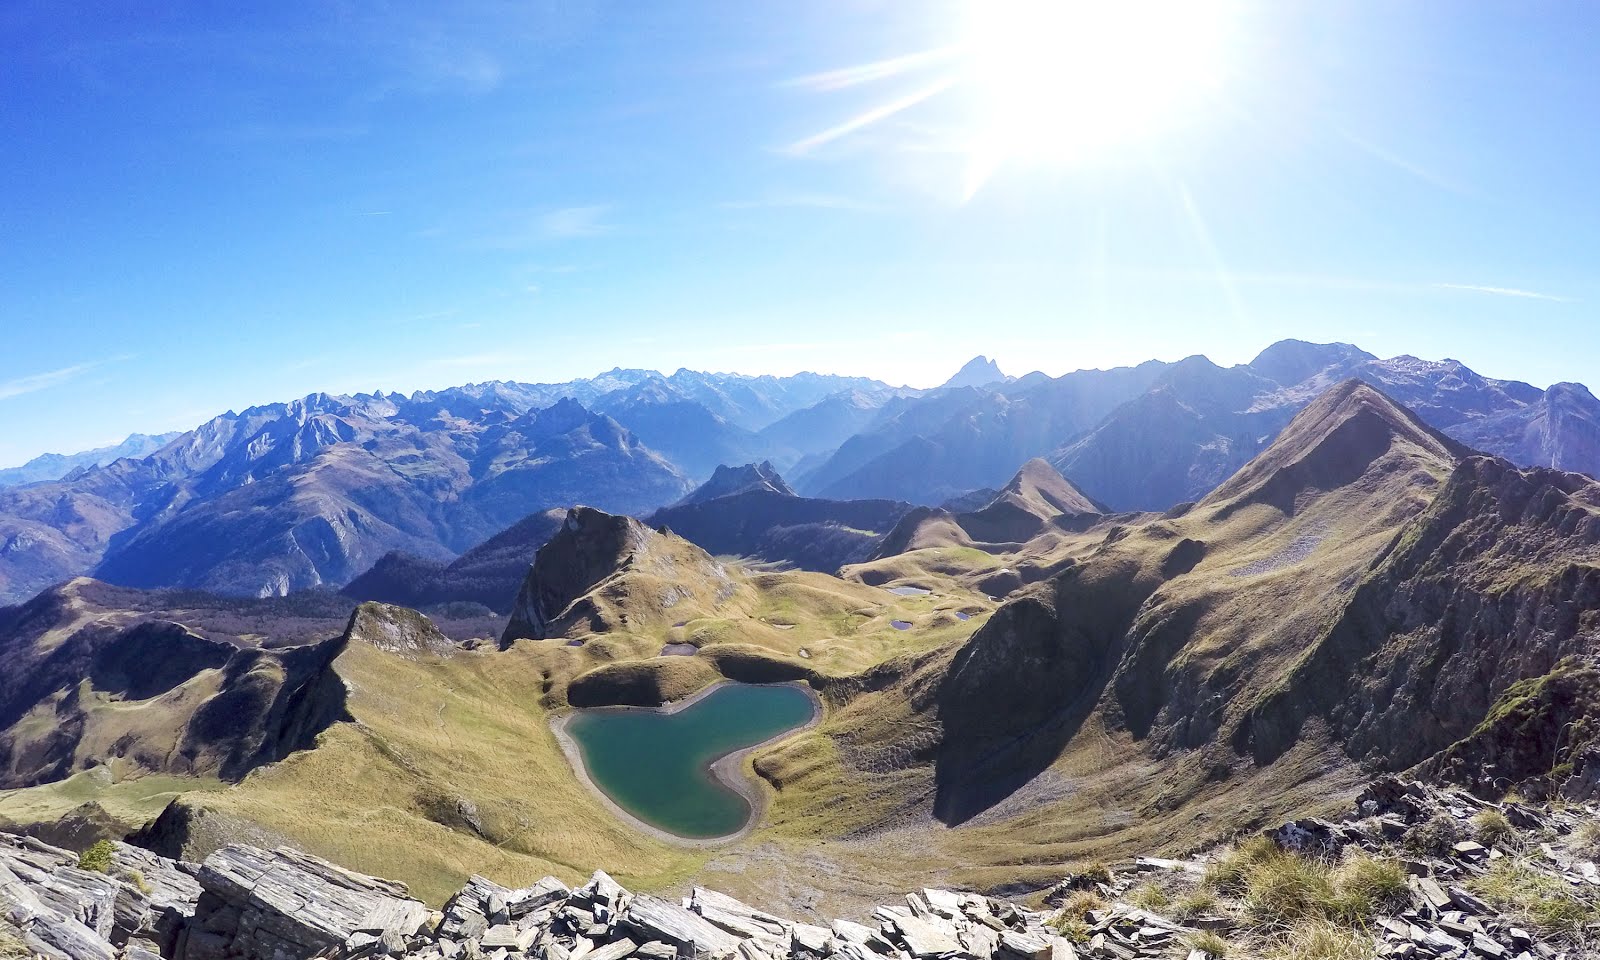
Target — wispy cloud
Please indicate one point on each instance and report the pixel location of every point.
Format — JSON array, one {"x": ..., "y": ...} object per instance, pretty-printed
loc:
[
  {"x": 1504, "y": 292},
  {"x": 877, "y": 70},
  {"x": 34, "y": 382},
  {"x": 815, "y": 201},
  {"x": 869, "y": 117},
  {"x": 567, "y": 222}
]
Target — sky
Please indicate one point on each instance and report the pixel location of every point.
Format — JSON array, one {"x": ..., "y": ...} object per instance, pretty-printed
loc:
[{"x": 208, "y": 206}]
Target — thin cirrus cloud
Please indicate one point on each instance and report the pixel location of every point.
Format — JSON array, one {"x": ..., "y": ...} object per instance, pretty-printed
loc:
[
  {"x": 568, "y": 222},
  {"x": 34, "y": 382},
  {"x": 1504, "y": 292}
]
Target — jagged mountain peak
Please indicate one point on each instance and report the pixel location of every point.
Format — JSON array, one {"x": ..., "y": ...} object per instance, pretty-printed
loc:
[
  {"x": 606, "y": 571},
  {"x": 980, "y": 371},
  {"x": 1330, "y": 443},
  {"x": 727, "y": 481}
]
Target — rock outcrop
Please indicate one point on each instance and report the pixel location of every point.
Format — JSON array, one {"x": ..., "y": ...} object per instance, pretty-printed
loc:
[
  {"x": 1402, "y": 877},
  {"x": 728, "y": 481},
  {"x": 603, "y": 571}
]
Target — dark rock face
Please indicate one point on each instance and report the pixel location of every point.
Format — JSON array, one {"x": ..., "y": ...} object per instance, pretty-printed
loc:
[
  {"x": 590, "y": 546},
  {"x": 603, "y": 572},
  {"x": 1534, "y": 735}
]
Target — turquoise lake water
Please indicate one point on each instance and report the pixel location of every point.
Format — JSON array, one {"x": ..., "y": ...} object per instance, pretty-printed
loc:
[{"x": 658, "y": 766}]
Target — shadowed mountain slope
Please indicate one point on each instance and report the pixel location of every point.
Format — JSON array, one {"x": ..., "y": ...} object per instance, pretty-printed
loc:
[
  {"x": 489, "y": 574},
  {"x": 1133, "y": 667},
  {"x": 87, "y": 685}
]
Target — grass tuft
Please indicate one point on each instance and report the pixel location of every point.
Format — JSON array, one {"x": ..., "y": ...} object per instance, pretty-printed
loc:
[
  {"x": 11, "y": 945},
  {"x": 1209, "y": 943},
  {"x": 1073, "y": 929},
  {"x": 1229, "y": 874},
  {"x": 1367, "y": 887},
  {"x": 1324, "y": 941},
  {"x": 1586, "y": 840},
  {"x": 1286, "y": 888},
  {"x": 1199, "y": 902},
  {"x": 1491, "y": 828},
  {"x": 97, "y": 857},
  {"x": 1080, "y": 903},
  {"x": 1542, "y": 901},
  {"x": 136, "y": 880},
  {"x": 1149, "y": 897}
]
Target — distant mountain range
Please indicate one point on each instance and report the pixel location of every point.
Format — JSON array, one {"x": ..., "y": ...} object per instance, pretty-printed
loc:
[
  {"x": 1159, "y": 434},
  {"x": 54, "y": 466},
  {"x": 316, "y": 491},
  {"x": 313, "y": 492}
]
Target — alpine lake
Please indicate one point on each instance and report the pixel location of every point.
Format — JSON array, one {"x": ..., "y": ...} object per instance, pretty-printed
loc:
[{"x": 657, "y": 764}]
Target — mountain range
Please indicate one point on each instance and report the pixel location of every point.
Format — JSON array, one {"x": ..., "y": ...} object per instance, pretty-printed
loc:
[
  {"x": 1008, "y": 686},
  {"x": 316, "y": 492},
  {"x": 54, "y": 466}
]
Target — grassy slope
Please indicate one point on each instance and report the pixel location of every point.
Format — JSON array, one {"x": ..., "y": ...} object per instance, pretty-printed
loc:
[{"x": 381, "y": 795}]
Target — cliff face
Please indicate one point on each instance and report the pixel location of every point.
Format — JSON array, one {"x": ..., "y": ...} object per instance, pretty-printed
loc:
[{"x": 1495, "y": 583}]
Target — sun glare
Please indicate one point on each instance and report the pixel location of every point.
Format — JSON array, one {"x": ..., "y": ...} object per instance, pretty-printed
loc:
[{"x": 1054, "y": 80}]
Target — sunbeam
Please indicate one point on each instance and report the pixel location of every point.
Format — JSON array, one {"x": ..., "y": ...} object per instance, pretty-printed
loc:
[{"x": 1055, "y": 82}]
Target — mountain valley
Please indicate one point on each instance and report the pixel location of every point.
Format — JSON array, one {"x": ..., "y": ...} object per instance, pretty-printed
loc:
[{"x": 1031, "y": 674}]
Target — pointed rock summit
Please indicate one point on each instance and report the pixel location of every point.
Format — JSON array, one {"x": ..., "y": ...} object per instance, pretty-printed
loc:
[
  {"x": 605, "y": 572},
  {"x": 728, "y": 481},
  {"x": 1035, "y": 498},
  {"x": 1037, "y": 495},
  {"x": 980, "y": 371},
  {"x": 1333, "y": 442}
]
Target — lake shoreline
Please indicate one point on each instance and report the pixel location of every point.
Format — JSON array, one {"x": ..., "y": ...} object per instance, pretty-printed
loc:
[{"x": 727, "y": 770}]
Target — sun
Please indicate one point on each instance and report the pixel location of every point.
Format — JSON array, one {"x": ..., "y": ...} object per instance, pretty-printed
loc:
[
  {"x": 1055, "y": 81},
  {"x": 1060, "y": 80}
]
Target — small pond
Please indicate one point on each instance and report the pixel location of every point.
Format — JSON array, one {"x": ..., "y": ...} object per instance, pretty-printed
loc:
[
  {"x": 679, "y": 650},
  {"x": 900, "y": 624},
  {"x": 910, "y": 591},
  {"x": 657, "y": 765}
]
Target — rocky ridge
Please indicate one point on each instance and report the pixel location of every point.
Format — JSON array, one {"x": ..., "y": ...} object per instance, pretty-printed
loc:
[{"x": 1434, "y": 862}]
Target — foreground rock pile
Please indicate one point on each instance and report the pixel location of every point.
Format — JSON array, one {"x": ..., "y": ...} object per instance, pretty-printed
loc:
[
  {"x": 1527, "y": 888},
  {"x": 245, "y": 903}
]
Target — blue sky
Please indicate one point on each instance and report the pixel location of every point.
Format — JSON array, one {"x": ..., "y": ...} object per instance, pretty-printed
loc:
[{"x": 205, "y": 209}]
